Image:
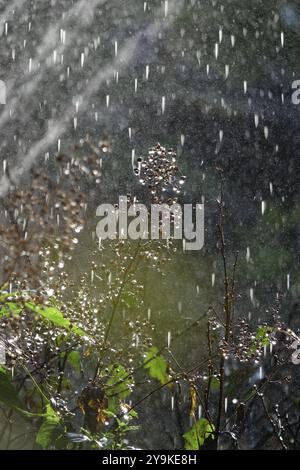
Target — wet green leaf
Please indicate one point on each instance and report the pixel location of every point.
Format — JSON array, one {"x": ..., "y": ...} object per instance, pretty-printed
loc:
[
  {"x": 262, "y": 338},
  {"x": 214, "y": 384},
  {"x": 8, "y": 393},
  {"x": 14, "y": 303},
  {"x": 118, "y": 386},
  {"x": 157, "y": 366},
  {"x": 195, "y": 437},
  {"x": 10, "y": 308},
  {"x": 74, "y": 359},
  {"x": 50, "y": 430},
  {"x": 55, "y": 316}
]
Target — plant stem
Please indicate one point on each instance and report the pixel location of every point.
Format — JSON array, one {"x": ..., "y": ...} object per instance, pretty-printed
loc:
[{"x": 115, "y": 306}]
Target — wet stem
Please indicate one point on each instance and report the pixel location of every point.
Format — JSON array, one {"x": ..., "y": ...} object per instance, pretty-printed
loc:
[
  {"x": 272, "y": 423},
  {"x": 115, "y": 307},
  {"x": 62, "y": 362},
  {"x": 228, "y": 295},
  {"x": 210, "y": 365}
]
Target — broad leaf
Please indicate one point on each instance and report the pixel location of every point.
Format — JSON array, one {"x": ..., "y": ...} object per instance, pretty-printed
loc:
[
  {"x": 157, "y": 366},
  {"x": 55, "y": 316},
  {"x": 8, "y": 393},
  {"x": 262, "y": 338},
  {"x": 14, "y": 303},
  {"x": 118, "y": 386},
  {"x": 195, "y": 437},
  {"x": 74, "y": 359},
  {"x": 10, "y": 308},
  {"x": 50, "y": 430}
]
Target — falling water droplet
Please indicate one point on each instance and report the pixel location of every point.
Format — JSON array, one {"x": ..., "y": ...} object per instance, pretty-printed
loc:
[
  {"x": 271, "y": 188},
  {"x": 163, "y": 104},
  {"x": 172, "y": 403},
  {"x": 62, "y": 36},
  {"x": 166, "y": 8},
  {"x": 216, "y": 50},
  {"x": 169, "y": 339},
  {"x": 226, "y": 71},
  {"x": 220, "y": 35},
  {"x": 261, "y": 373},
  {"x": 266, "y": 132}
]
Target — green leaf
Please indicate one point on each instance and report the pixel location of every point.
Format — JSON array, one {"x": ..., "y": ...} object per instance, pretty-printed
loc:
[
  {"x": 50, "y": 430},
  {"x": 263, "y": 335},
  {"x": 157, "y": 366},
  {"x": 10, "y": 308},
  {"x": 133, "y": 414},
  {"x": 55, "y": 316},
  {"x": 214, "y": 384},
  {"x": 118, "y": 386},
  {"x": 262, "y": 338},
  {"x": 195, "y": 437},
  {"x": 8, "y": 393},
  {"x": 74, "y": 359},
  {"x": 14, "y": 303}
]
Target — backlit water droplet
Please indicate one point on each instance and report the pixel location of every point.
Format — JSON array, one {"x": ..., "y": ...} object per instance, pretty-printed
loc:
[
  {"x": 169, "y": 339},
  {"x": 163, "y": 105}
]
